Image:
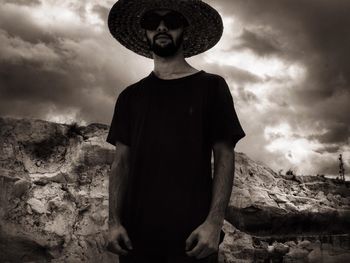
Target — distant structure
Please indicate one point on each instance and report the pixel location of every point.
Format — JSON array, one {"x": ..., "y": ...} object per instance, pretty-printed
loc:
[{"x": 341, "y": 168}]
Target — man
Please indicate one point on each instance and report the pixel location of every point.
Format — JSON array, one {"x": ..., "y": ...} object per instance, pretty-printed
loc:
[{"x": 164, "y": 204}]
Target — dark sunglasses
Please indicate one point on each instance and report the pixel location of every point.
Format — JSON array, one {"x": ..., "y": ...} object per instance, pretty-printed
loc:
[{"x": 172, "y": 20}]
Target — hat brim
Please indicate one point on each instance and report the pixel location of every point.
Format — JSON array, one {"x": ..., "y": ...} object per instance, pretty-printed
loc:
[{"x": 204, "y": 31}]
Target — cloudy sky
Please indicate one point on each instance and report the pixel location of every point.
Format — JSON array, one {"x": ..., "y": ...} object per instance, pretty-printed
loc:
[{"x": 287, "y": 63}]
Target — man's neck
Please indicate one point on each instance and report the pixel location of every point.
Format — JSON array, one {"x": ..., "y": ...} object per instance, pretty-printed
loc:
[{"x": 172, "y": 67}]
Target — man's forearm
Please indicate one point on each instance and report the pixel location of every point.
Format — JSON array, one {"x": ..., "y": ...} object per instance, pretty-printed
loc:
[
  {"x": 118, "y": 180},
  {"x": 224, "y": 163}
]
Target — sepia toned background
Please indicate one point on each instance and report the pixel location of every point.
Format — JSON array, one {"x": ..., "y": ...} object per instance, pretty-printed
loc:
[{"x": 287, "y": 64}]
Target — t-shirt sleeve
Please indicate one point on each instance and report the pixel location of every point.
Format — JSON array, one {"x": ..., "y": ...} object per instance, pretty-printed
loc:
[
  {"x": 224, "y": 123},
  {"x": 119, "y": 129}
]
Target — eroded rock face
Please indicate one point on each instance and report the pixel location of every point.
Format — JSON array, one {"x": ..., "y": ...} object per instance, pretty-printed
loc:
[
  {"x": 263, "y": 202},
  {"x": 54, "y": 191},
  {"x": 54, "y": 201}
]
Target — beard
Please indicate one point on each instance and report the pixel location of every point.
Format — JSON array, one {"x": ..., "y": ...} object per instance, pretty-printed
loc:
[{"x": 167, "y": 50}]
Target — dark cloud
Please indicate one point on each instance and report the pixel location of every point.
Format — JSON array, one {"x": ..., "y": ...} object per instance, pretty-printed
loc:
[
  {"x": 46, "y": 69},
  {"x": 247, "y": 96},
  {"x": 261, "y": 45},
  {"x": 102, "y": 11},
  {"x": 16, "y": 22},
  {"x": 338, "y": 133},
  {"x": 61, "y": 75},
  {"x": 328, "y": 149},
  {"x": 313, "y": 32}
]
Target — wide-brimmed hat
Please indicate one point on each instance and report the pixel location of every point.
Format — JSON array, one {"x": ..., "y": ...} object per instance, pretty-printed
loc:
[{"x": 204, "y": 31}]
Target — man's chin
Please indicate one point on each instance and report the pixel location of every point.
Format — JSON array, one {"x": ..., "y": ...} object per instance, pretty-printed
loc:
[
  {"x": 164, "y": 54},
  {"x": 165, "y": 51}
]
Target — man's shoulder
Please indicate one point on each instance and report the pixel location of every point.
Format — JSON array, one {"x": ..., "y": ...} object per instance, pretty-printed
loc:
[
  {"x": 134, "y": 87},
  {"x": 211, "y": 76},
  {"x": 213, "y": 79}
]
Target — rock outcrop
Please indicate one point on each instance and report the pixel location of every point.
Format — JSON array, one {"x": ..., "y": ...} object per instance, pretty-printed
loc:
[
  {"x": 54, "y": 191},
  {"x": 264, "y": 202},
  {"x": 54, "y": 202}
]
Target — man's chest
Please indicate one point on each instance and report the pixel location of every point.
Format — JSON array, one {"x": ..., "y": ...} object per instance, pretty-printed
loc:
[
  {"x": 169, "y": 118},
  {"x": 169, "y": 105}
]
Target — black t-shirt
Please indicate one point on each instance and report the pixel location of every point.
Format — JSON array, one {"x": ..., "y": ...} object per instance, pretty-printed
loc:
[{"x": 171, "y": 126}]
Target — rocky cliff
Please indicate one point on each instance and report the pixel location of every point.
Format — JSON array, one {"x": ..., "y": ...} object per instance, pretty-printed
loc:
[{"x": 54, "y": 202}]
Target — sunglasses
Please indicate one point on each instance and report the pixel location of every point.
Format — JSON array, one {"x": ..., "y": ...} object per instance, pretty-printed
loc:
[{"x": 172, "y": 20}]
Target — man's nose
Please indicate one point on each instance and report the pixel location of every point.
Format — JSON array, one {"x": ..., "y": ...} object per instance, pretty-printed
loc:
[{"x": 162, "y": 27}]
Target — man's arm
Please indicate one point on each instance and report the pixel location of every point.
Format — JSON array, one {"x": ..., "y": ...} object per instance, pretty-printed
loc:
[
  {"x": 118, "y": 180},
  {"x": 224, "y": 167},
  {"x": 208, "y": 233}
]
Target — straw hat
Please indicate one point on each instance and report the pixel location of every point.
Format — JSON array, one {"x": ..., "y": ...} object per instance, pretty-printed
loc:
[{"x": 204, "y": 31}]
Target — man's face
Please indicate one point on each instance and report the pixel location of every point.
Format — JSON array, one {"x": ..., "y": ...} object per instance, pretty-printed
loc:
[{"x": 164, "y": 32}]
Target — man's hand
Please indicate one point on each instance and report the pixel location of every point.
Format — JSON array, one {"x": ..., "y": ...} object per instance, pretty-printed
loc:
[
  {"x": 207, "y": 237},
  {"x": 118, "y": 240}
]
